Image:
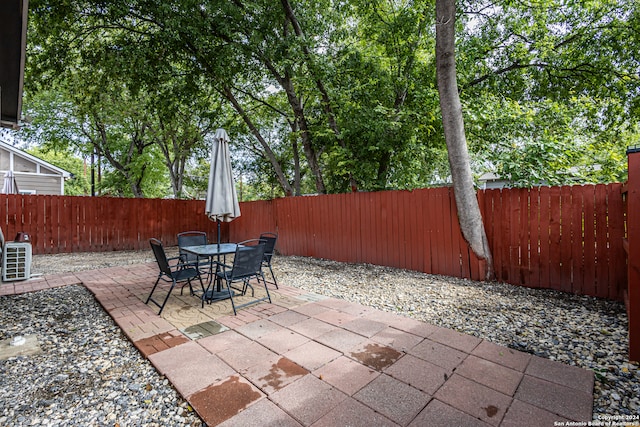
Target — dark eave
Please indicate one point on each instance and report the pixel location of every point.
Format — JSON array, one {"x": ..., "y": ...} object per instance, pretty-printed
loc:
[{"x": 13, "y": 41}]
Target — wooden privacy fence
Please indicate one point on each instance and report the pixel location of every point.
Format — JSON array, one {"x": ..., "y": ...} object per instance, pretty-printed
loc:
[
  {"x": 97, "y": 224},
  {"x": 564, "y": 238},
  {"x": 406, "y": 229}
]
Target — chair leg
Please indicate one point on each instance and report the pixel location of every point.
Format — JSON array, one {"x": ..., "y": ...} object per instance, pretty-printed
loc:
[
  {"x": 201, "y": 284},
  {"x": 190, "y": 288},
  {"x": 210, "y": 286},
  {"x": 275, "y": 282},
  {"x": 247, "y": 285},
  {"x": 167, "y": 297},
  {"x": 204, "y": 296},
  {"x": 233, "y": 305},
  {"x": 152, "y": 291},
  {"x": 266, "y": 288},
  {"x": 173, "y": 284}
]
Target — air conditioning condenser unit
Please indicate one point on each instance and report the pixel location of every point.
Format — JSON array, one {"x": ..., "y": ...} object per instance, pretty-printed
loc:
[{"x": 16, "y": 261}]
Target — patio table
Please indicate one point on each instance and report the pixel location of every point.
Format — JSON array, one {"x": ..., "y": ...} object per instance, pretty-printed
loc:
[{"x": 211, "y": 251}]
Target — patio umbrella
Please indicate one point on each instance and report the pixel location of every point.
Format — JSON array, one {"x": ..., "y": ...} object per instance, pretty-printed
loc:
[
  {"x": 222, "y": 200},
  {"x": 10, "y": 186}
]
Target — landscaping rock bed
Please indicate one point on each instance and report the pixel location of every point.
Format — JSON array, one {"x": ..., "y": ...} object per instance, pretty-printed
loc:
[{"x": 87, "y": 373}]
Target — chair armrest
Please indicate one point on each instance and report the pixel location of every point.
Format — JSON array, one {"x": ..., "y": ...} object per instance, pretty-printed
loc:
[
  {"x": 183, "y": 265},
  {"x": 180, "y": 264}
]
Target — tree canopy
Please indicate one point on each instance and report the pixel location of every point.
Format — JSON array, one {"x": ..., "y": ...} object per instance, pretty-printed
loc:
[{"x": 331, "y": 96}]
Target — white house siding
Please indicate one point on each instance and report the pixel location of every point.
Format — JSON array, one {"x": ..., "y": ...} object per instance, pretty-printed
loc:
[
  {"x": 32, "y": 175},
  {"x": 38, "y": 183}
]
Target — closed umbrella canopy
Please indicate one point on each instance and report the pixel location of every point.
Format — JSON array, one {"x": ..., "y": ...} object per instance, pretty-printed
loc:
[
  {"x": 222, "y": 201},
  {"x": 10, "y": 186}
]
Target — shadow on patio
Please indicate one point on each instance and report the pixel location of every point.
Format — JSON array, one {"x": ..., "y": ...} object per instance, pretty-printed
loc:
[{"x": 306, "y": 360}]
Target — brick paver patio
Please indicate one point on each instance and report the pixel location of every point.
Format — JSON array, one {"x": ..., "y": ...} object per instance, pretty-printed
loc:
[{"x": 315, "y": 361}]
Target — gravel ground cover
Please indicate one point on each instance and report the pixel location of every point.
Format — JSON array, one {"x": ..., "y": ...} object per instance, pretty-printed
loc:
[
  {"x": 87, "y": 373},
  {"x": 581, "y": 331}
]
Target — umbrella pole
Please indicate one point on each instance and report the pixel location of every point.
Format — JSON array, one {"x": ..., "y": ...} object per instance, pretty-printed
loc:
[{"x": 219, "y": 284}]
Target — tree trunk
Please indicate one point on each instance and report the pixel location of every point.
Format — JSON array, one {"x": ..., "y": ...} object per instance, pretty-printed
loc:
[
  {"x": 301, "y": 122},
  {"x": 297, "y": 175},
  {"x": 468, "y": 209},
  {"x": 295, "y": 103},
  {"x": 269, "y": 154},
  {"x": 326, "y": 100}
]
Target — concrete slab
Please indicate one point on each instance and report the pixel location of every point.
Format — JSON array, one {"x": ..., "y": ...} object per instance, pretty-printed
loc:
[
  {"x": 225, "y": 399},
  {"x": 255, "y": 330},
  {"x": 365, "y": 327},
  {"x": 340, "y": 340},
  {"x": 250, "y": 355},
  {"x": 288, "y": 318},
  {"x": 375, "y": 355},
  {"x": 312, "y": 355},
  {"x": 564, "y": 401},
  {"x": 500, "y": 378},
  {"x": 393, "y": 399},
  {"x": 475, "y": 399},
  {"x": 336, "y": 318},
  {"x": 522, "y": 414},
  {"x": 353, "y": 414},
  {"x": 560, "y": 373},
  {"x": 418, "y": 373},
  {"x": 312, "y": 328},
  {"x": 190, "y": 367},
  {"x": 346, "y": 375},
  {"x": 308, "y": 399},
  {"x": 439, "y": 414},
  {"x": 260, "y": 414},
  {"x": 205, "y": 329},
  {"x": 224, "y": 341},
  {"x": 438, "y": 354},
  {"x": 311, "y": 309},
  {"x": 455, "y": 339},
  {"x": 271, "y": 377},
  {"x": 397, "y": 339},
  {"x": 502, "y": 355},
  {"x": 25, "y": 345},
  {"x": 283, "y": 340}
]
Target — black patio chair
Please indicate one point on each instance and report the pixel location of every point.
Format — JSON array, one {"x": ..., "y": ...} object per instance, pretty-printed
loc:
[
  {"x": 270, "y": 240},
  {"x": 173, "y": 274},
  {"x": 247, "y": 265},
  {"x": 193, "y": 238}
]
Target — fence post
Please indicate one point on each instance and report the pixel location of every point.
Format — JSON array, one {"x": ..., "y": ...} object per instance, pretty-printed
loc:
[{"x": 632, "y": 299}]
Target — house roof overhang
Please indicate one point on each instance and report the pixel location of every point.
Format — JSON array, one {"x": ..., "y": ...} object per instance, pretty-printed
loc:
[{"x": 13, "y": 42}]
